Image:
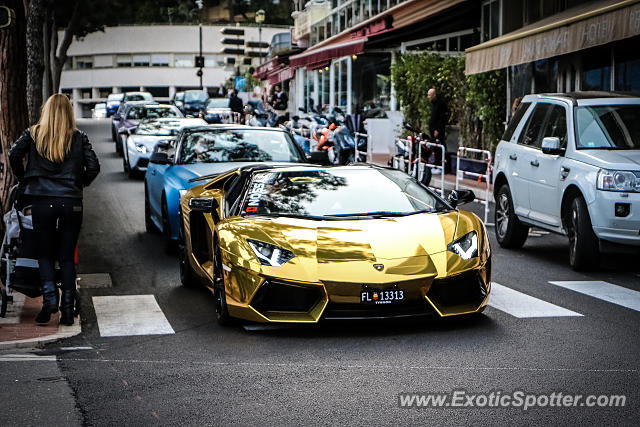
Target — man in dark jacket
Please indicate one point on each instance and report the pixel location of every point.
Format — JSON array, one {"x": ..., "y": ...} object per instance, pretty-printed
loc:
[{"x": 235, "y": 103}]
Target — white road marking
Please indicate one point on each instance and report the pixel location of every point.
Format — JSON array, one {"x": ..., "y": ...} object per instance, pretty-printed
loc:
[
  {"x": 76, "y": 348},
  {"x": 521, "y": 305},
  {"x": 125, "y": 315},
  {"x": 604, "y": 291},
  {"x": 26, "y": 358}
]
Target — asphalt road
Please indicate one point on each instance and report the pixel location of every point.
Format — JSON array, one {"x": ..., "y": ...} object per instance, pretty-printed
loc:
[{"x": 342, "y": 373}]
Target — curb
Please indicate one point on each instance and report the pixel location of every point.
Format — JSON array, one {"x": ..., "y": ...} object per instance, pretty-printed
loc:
[{"x": 63, "y": 332}]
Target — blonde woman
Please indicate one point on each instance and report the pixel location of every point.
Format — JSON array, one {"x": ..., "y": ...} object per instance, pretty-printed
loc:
[{"x": 60, "y": 162}]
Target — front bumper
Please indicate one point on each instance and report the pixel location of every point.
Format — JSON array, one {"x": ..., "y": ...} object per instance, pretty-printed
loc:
[
  {"x": 284, "y": 301},
  {"x": 617, "y": 229}
]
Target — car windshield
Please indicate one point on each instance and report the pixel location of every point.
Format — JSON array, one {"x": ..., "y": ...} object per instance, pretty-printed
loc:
[
  {"x": 195, "y": 96},
  {"x": 115, "y": 97},
  {"x": 613, "y": 127},
  {"x": 140, "y": 112},
  {"x": 218, "y": 103},
  {"x": 238, "y": 145},
  {"x": 159, "y": 128},
  {"x": 361, "y": 192},
  {"x": 100, "y": 106},
  {"x": 138, "y": 97}
]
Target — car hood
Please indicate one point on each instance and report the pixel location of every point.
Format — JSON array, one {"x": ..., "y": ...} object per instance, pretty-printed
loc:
[
  {"x": 343, "y": 251},
  {"x": 610, "y": 159},
  {"x": 149, "y": 141}
]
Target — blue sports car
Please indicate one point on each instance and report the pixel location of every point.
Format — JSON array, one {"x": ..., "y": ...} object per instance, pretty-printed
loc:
[{"x": 205, "y": 150}]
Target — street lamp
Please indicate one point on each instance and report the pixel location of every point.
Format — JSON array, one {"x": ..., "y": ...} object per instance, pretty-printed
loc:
[{"x": 259, "y": 21}]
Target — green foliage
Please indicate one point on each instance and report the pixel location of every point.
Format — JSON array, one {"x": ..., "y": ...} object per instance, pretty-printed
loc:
[{"x": 476, "y": 103}]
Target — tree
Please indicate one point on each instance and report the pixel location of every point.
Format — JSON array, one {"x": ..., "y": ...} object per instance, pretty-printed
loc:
[
  {"x": 13, "y": 105},
  {"x": 35, "y": 57}
]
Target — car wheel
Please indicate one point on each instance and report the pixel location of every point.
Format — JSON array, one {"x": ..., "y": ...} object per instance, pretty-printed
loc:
[
  {"x": 114, "y": 135},
  {"x": 170, "y": 245},
  {"x": 583, "y": 243},
  {"x": 149, "y": 225},
  {"x": 119, "y": 146},
  {"x": 510, "y": 232},
  {"x": 125, "y": 165},
  {"x": 187, "y": 276},
  {"x": 222, "y": 311}
]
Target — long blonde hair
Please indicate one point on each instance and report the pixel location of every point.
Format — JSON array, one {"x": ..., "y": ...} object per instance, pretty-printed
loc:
[{"x": 54, "y": 130}]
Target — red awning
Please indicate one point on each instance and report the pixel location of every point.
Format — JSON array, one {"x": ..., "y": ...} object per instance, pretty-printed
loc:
[
  {"x": 281, "y": 75},
  {"x": 266, "y": 68},
  {"x": 313, "y": 57}
]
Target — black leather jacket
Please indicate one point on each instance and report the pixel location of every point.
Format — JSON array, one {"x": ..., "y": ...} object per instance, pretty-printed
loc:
[{"x": 45, "y": 178}]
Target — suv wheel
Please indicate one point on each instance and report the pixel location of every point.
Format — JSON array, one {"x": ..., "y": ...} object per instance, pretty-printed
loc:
[
  {"x": 583, "y": 243},
  {"x": 510, "y": 232},
  {"x": 149, "y": 225}
]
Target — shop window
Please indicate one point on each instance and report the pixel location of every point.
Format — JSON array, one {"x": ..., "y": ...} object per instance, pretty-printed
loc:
[
  {"x": 104, "y": 91},
  {"x": 596, "y": 69},
  {"x": 372, "y": 87},
  {"x": 545, "y": 76},
  {"x": 85, "y": 93},
  {"x": 627, "y": 67}
]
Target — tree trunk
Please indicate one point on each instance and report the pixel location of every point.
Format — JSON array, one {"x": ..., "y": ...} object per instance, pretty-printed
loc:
[
  {"x": 35, "y": 58},
  {"x": 13, "y": 104},
  {"x": 67, "y": 38},
  {"x": 47, "y": 24}
]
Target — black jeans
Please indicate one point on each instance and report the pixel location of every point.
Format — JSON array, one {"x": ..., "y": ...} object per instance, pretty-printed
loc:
[{"x": 56, "y": 225}]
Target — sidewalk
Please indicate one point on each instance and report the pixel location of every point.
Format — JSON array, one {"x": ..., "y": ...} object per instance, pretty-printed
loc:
[{"x": 19, "y": 329}]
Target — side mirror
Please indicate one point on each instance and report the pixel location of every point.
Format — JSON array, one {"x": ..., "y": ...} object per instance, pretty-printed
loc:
[
  {"x": 551, "y": 145},
  {"x": 205, "y": 205},
  {"x": 160, "y": 158},
  {"x": 459, "y": 197},
  {"x": 127, "y": 131}
]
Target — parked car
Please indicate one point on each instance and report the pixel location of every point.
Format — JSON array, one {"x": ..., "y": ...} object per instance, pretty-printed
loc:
[
  {"x": 138, "y": 96},
  {"x": 568, "y": 163},
  {"x": 306, "y": 243},
  {"x": 217, "y": 111},
  {"x": 132, "y": 113},
  {"x": 142, "y": 140},
  {"x": 202, "y": 151},
  {"x": 113, "y": 102},
  {"x": 191, "y": 102},
  {"x": 99, "y": 111}
]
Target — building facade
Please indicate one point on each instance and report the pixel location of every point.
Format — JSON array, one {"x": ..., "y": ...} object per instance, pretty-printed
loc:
[{"x": 159, "y": 59}]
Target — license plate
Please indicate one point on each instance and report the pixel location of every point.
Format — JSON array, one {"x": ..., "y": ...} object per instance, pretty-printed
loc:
[{"x": 391, "y": 296}]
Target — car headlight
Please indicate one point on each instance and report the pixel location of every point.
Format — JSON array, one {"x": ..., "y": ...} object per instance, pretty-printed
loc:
[
  {"x": 141, "y": 148},
  {"x": 466, "y": 247},
  {"x": 269, "y": 254},
  {"x": 613, "y": 180}
]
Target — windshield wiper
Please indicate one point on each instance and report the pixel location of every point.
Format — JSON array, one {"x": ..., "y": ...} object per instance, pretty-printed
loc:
[{"x": 383, "y": 214}]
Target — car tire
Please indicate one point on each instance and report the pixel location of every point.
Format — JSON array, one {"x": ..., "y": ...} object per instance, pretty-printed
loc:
[
  {"x": 170, "y": 245},
  {"x": 187, "y": 277},
  {"x": 149, "y": 225},
  {"x": 119, "y": 147},
  {"x": 584, "y": 253},
  {"x": 222, "y": 311},
  {"x": 510, "y": 232},
  {"x": 125, "y": 165},
  {"x": 114, "y": 135}
]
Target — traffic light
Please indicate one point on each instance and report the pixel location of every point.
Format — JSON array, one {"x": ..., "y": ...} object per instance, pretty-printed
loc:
[{"x": 199, "y": 61}]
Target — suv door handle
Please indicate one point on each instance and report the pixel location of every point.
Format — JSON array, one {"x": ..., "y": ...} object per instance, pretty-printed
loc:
[
  {"x": 534, "y": 163},
  {"x": 513, "y": 156}
]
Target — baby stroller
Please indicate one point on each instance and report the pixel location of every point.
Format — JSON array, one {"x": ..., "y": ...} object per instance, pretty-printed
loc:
[{"x": 19, "y": 254}]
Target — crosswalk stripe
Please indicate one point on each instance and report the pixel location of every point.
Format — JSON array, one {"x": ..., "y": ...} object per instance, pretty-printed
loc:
[
  {"x": 522, "y": 305},
  {"x": 125, "y": 315},
  {"x": 605, "y": 291}
]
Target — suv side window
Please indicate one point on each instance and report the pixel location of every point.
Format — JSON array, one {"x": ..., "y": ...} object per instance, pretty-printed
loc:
[
  {"x": 556, "y": 125},
  {"x": 531, "y": 133},
  {"x": 515, "y": 120}
]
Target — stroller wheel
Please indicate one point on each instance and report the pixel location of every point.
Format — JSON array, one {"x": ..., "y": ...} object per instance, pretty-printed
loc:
[
  {"x": 76, "y": 304},
  {"x": 3, "y": 302}
]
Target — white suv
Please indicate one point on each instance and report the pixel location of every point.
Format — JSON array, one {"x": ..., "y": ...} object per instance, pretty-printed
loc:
[{"x": 570, "y": 163}]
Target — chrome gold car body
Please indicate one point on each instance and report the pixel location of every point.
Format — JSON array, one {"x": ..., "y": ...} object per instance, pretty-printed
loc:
[{"x": 335, "y": 261}]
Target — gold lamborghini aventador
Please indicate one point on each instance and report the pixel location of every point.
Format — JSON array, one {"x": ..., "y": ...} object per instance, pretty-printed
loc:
[{"x": 302, "y": 243}]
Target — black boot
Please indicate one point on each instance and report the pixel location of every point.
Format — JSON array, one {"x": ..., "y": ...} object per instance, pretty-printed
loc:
[
  {"x": 66, "y": 307},
  {"x": 49, "y": 302}
]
